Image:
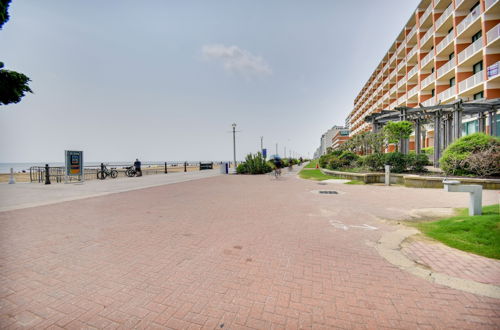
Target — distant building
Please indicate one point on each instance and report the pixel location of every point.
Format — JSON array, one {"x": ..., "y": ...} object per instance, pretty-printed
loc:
[
  {"x": 326, "y": 140},
  {"x": 340, "y": 138}
]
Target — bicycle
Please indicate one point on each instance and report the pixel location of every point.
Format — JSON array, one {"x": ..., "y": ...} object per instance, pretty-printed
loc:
[
  {"x": 130, "y": 172},
  {"x": 276, "y": 172},
  {"x": 105, "y": 172}
]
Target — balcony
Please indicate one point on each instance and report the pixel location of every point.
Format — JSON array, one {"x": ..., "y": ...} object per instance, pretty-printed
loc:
[
  {"x": 493, "y": 70},
  {"x": 445, "y": 42},
  {"x": 392, "y": 75},
  {"x": 471, "y": 50},
  {"x": 430, "y": 79},
  {"x": 427, "y": 58},
  {"x": 412, "y": 52},
  {"x": 458, "y": 3},
  {"x": 449, "y": 93},
  {"x": 430, "y": 102},
  {"x": 426, "y": 36},
  {"x": 426, "y": 14},
  {"x": 412, "y": 72},
  {"x": 447, "y": 12},
  {"x": 412, "y": 33},
  {"x": 413, "y": 91},
  {"x": 401, "y": 65},
  {"x": 493, "y": 34},
  {"x": 446, "y": 68},
  {"x": 402, "y": 82},
  {"x": 469, "y": 20},
  {"x": 471, "y": 81},
  {"x": 402, "y": 99},
  {"x": 393, "y": 89},
  {"x": 400, "y": 48},
  {"x": 489, "y": 3},
  {"x": 393, "y": 105}
]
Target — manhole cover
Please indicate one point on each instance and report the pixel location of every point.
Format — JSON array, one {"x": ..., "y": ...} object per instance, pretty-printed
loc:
[{"x": 328, "y": 192}]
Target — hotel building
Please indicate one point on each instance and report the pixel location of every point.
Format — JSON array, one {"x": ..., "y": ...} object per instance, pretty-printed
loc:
[{"x": 448, "y": 50}]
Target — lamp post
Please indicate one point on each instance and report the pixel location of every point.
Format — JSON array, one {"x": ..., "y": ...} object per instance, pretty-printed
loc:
[
  {"x": 234, "y": 145},
  {"x": 261, "y": 143}
]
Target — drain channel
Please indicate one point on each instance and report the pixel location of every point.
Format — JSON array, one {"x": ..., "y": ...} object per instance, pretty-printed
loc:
[{"x": 328, "y": 192}]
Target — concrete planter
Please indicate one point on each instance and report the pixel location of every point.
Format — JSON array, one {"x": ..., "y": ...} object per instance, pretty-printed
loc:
[{"x": 412, "y": 180}]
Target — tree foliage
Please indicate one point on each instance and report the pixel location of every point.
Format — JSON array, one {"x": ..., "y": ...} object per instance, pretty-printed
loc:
[
  {"x": 13, "y": 85},
  {"x": 395, "y": 131}
]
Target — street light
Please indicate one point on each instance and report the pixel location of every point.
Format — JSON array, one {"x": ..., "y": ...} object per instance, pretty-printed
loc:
[{"x": 234, "y": 145}]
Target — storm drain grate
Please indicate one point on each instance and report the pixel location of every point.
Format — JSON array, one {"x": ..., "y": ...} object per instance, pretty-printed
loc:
[
  {"x": 322, "y": 183},
  {"x": 328, "y": 192}
]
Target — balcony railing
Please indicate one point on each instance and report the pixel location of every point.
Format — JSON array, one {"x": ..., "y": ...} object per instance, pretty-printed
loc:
[
  {"x": 471, "y": 81},
  {"x": 412, "y": 91},
  {"x": 413, "y": 71},
  {"x": 393, "y": 74},
  {"x": 393, "y": 57},
  {"x": 470, "y": 50},
  {"x": 430, "y": 102},
  {"x": 445, "y": 68},
  {"x": 426, "y": 36},
  {"x": 428, "y": 80},
  {"x": 447, "y": 12},
  {"x": 493, "y": 34},
  {"x": 445, "y": 42},
  {"x": 489, "y": 3},
  {"x": 400, "y": 48},
  {"x": 493, "y": 70},
  {"x": 428, "y": 58},
  {"x": 469, "y": 19},
  {"x": 412, "y": 33},
  {"x": 394, "y": 89},
  {"x": 426, "y": 14},
  {"x": 393, "y": 104},
  {"x": 402, "y": 99},
  {"x": 458, "y": 3},
  {"x": 400, "y": 65},
  {"x": 412, "y": 52},
  {"x": 402, "y": 82},
  {"x": 436, "y": 2},
  {"x": 450, "y": 92}
]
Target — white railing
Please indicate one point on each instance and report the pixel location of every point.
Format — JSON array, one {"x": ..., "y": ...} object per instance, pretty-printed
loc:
[
  {"x": 445, "y": 42},
  {"x": 393, "y": 104},
  {"x": 400, "y": 47},
  {"x": 493, "y": 34},
  {"x": 471, "y": 81},
  {"x": 427, "y": 58},
  {"x": 412, "y": 33},
  {"x": 386, "y": 96},
  {"x": 458, "y": 3},
  {"x": 402, "y": 82},
  {"x": 470, "y": 50},
  {"x": 428, "y": 80},
  {"x": 493, "y": 70},
  {"x": 426, "y": 36},
  {"x": 386, "y": 66},
  {"x": 447, "y": 12},
  {"x": 393, "y": 74},
  {"x": 400, "y": 65},
  {"x": 450, "y": 92},
  {"x": 489, "y": 3},
  {"x": 469, "y": 19},
  {"x": 430, "y": 102},
  {"x": 412, "y": 52},
  {"x": 393, "y": 57},
  {"x": 412, "y": 91},
  {"x": 402, "y": 99},
  {"x": 426, "y": 14},
  {"x": 445, "y": 68},
  {"x": 393, "y": 89},
  {"x": 413, "y": 71}
]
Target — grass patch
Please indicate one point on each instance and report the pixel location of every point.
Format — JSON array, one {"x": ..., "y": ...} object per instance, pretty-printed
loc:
[
  {"x": 315, "y": 175},
  {"x": 355, "y": 182},
  {"x": 312, "y": 163},
  {"x": 479, "y": 234}
]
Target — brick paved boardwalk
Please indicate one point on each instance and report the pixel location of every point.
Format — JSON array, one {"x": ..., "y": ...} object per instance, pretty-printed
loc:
[{"x": 231, "y": 252}]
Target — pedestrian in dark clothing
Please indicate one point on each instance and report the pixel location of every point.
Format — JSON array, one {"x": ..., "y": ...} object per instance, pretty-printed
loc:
[{"x": 137, "y": 165}]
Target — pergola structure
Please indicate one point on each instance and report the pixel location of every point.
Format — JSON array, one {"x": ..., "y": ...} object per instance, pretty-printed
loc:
[{"x": 447, "y": 120}]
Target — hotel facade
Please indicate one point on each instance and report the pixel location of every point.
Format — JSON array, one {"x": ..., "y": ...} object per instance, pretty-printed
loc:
[{"x": 448, "y": 50}]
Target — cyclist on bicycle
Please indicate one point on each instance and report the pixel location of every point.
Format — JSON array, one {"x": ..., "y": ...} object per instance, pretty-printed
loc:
[{"x": 278, "y": 164}]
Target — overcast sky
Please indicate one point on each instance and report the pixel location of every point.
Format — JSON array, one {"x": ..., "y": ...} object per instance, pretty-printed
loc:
[{"x": 164, "y": 80}]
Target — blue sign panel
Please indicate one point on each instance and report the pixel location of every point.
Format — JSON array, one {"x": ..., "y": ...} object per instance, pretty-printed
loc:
[
  {"x": 74, "y": 163},
  {"x": 264, "y": 153}
]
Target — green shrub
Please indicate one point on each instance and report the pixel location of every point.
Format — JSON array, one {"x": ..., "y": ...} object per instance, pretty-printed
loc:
[
  {"x": 397, "y": 160},
  {"x": 254, "y": 164},
  {"x": 428, "y": 150},
  {"x": 375, "y": 162},
  {"x": 485, "y": 162},
  {"x": 454, "y": 160},
  {"x": 417, "y": 162}
]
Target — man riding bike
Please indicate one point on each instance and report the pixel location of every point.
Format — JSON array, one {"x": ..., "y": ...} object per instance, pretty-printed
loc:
[{"x": 278, "y": 164}]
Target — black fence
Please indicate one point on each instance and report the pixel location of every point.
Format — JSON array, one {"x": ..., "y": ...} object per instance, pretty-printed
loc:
[{"x": 56, "y": 174}]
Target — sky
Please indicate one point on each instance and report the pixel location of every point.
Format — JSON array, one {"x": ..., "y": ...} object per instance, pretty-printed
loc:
[{"x": 165, "y": 80}]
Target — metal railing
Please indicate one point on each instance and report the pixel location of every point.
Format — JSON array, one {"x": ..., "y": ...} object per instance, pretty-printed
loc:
[
  {"x": 426, "y": 14},
  {"x": 428, "y": 58},
  {"x": 402, "y": 99},
  {"x": 469, "y": 19},
  {"x": 446, "y": 13},
  {"x": 411, "y": 53},
  {"x": 450, "y": 92},
  {"x": 428, "y": 80},
  {"x": 413, "y": 71},
  {"x": 429, "y": 102},
  {"x": 412, "y": 91},
  {"x": 493, "y": 70},
  {"x": 402, "y": 82},
  {"x": 445, "y": 42},
  {"x": 400, "y": 48},
  {"x": 470, "y": 50},
  {"x": 394, "y": 89},
  {"x": 471, "y": 81},
  {"x": 412, "y": 33},
  {"x": 489, "y": 3},
  {"x": 400, "y": 65},
  {"x": 446, "y": 67},
  {"x": 493, "y": 34},
  {"x": 426, "y": 36}
]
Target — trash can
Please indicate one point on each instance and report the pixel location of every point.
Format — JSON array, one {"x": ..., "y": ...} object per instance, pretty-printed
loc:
[{"x": 224, "y": 168}]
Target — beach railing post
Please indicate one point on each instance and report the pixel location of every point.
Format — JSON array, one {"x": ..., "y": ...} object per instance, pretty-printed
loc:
[
  {"x": 12, "y": 180},
  {"x": 47, "y": 174},
  {"x": 185, "y": 166},
  {"x": 166, "y": 171}
]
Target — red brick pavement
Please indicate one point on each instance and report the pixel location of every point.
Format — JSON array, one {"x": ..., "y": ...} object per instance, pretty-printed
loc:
[{"x": 231, "y": 252}]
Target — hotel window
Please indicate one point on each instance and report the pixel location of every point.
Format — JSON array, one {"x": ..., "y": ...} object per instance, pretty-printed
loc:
[
  {"x": 432, "y": 70},
  {"x": 478, "y": 96},
  {"x": 478, "y": 35},
  {"x": 451, "y": 56},
  {"x": 478, "y": 67},
  {"x": 433, "y": 92},
  {"x": 452, "y": 82},
  {"x": 451, "y": 29}
]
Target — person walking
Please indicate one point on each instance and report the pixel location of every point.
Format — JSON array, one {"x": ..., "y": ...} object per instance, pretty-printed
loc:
[{"x": 137, "y": 165}]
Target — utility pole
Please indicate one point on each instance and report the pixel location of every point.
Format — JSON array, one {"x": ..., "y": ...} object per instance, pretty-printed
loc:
[
  {"x": 277, "y": 149},
  {"x": 234, "y": 145},
  {"x": 284, "y": 153},
  {"x": 261, "y": 143}
]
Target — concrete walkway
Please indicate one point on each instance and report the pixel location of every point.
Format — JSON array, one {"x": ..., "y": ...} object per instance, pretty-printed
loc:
[{"x": 226, "y": 252}]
